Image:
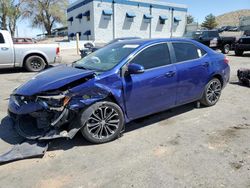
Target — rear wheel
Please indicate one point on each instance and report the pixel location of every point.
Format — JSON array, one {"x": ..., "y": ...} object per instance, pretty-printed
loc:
[
  {"x": 239, "y": 52},
  {"x": 104, "y": 124},
  {"x": 226, "y": 49},
  {"x": 212, "y": 92},
  {"x": 34, "y": 64}
]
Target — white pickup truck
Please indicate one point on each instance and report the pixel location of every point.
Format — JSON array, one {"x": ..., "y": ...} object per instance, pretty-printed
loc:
[{"x": 33, "y": 57}]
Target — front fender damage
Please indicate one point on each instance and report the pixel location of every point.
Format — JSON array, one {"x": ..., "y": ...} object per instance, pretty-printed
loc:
[{"x": 48, "y": 116}]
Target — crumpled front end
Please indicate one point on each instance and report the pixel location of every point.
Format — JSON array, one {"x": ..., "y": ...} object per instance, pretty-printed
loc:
[
  {"x": 41, "y": 116},
  {"x": 51, "y": 105}
]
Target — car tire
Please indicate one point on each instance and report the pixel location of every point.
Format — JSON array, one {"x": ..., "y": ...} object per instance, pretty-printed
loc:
[
  {"x": 104, "y": 123},
  {"x": 34, "y": 64},
  {"x": 226, "y": 49},
  {"x": 239, "y": 52},
  {"x": 212, "y": 92}
]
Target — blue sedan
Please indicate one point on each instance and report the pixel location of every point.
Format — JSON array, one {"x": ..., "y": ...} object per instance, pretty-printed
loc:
[{"x": 116, "y": 84}]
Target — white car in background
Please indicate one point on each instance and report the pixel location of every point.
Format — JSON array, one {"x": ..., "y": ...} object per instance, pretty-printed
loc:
[{"x": 33, "y": 57}]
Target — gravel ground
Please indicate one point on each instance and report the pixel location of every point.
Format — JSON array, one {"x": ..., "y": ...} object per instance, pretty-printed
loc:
[{"x": 182, "y": 147}]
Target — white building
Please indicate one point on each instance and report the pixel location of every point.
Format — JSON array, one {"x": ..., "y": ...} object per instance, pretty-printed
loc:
[{"x": 104, "y": 20}]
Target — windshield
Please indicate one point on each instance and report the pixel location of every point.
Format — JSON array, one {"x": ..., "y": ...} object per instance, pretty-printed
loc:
[{"x": 107, "y": 57}]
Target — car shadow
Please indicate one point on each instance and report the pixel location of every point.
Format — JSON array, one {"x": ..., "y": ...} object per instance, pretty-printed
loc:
[
  {"x": 19, "y": 70},
  {"x": 244, "y": 55},
  {"x": 152, "y": 119},
  {"x": 64, "y": 144},
  {"x": 9, "y": 135},
  {"x": 238, "y": 83},
  {"x": 12, "y": 70}
]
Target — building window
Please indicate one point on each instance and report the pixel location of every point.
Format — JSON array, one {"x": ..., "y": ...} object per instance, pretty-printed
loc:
[
  {"x": 87, "y": 14},
  {"x": 72, "y": 35},
  {"x": 177, "y": 20},
  {"x": 107, "y": 14},
  {"x": 130, "y": 16},
  {"x": 79, "y": 16},
  {"x": 163, "y": 19},
  {"x": 71, "y": 19},
  {"x": 87, "y": 33},
  {"x": 147, "y": 18}
]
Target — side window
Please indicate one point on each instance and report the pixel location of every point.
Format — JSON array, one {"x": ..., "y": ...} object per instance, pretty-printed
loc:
[
  {"x": 1, "y": 39},
  {"x": 154, "y": 56},
  {"x": 187, "y": 51}
]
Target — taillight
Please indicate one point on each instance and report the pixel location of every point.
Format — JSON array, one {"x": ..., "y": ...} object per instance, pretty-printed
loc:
[
  {"x": 226, "y": 60},
  {"x": 57, "y": 51}
]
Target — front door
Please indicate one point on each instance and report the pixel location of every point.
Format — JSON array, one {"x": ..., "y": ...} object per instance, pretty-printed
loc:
[
  {"x": 6, "y": 52},
  {"x": 155, "y": 89}
]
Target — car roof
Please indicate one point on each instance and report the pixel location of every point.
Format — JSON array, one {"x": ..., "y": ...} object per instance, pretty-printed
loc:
[
  {"x": 146, "y": 42},
  {"x": 152, "y": 41}
]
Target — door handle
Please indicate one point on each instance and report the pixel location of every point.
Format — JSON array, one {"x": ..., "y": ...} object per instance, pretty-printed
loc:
[
  {"x": 170, "y": 74},
  {"x": 4, "y": 48},
  {"x": 205, "y": 64}
]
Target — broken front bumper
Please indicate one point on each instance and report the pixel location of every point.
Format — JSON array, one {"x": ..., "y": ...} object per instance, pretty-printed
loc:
[{"x": 35, "y": 120}]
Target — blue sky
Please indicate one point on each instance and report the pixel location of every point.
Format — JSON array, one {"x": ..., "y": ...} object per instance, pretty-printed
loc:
[{"x": 198, "y": 8}]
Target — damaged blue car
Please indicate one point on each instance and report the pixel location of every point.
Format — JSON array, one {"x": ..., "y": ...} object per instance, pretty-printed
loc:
[{"x": 114, "y": 85}]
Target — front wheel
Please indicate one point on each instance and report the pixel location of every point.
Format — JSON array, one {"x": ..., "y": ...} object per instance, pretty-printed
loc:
[
  {"x": 104, "y": 123},
  {"x": 212, "y": 92}
]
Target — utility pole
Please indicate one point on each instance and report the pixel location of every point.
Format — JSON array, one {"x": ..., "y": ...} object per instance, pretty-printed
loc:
[
  {"x": 150, "y": 24},
  {"x": 172, "y": 22},
  {"x": 114, "y": 27}
]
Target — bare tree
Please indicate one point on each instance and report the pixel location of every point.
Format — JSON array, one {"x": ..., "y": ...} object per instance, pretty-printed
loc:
[
  {"x": 15, "y": 12},
  {"x": 46, "y": 13}
]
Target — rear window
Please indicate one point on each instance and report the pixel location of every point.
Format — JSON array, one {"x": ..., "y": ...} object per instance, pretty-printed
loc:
[
  {"x": 1, "y": 39},
  {"x": 187, "y": 51}
]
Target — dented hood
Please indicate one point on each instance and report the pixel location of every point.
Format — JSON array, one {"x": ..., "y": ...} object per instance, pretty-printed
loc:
[{"x": 51, "y": 79}]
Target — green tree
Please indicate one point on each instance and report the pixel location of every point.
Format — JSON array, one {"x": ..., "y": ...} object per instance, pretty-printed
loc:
[
  {"x": 190, "y": 19},
  {"x": 10, "y": 12},
  {"x": 210, "y": 22},
  {"x": 46, "y": 13},
  {"x": 3, "y": 14}
]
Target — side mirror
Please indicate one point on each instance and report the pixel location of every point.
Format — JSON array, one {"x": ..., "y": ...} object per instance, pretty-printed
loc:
[{"x": 135, "y": 69}]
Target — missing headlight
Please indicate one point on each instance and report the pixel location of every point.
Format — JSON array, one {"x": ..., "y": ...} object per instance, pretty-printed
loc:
[{"x": 54, "y": 102}]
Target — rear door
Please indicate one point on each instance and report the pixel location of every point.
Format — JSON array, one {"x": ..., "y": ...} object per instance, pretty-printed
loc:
[
  {"x": 155, "y": 89},
  {"x": 192, "y": 64},
  {"x": 6, "y": 52}
]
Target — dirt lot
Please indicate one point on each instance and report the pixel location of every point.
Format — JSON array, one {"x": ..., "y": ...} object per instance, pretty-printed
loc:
[{"x": 184, "y": 147}]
